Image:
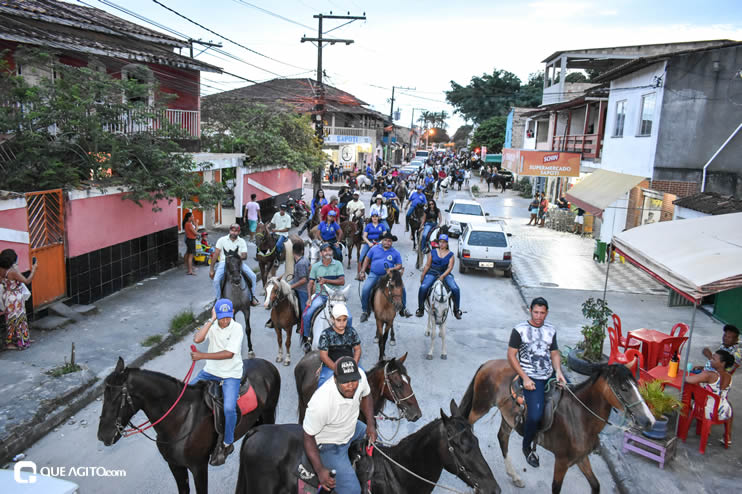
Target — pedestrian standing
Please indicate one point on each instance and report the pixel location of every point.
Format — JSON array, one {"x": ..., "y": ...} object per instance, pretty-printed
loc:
[
  {"x": 190, "y": 227},
  {"x": 14, "y": 295},
  {"x": 544, "y": 207},
  {"x": 253, "y": 216},
  {"x": 533, "y": 208}
]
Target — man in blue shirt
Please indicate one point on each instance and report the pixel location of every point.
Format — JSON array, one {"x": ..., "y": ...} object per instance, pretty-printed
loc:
[
  {"x": 370, "y": 173},
  {"x": 416, "y": 198},
  {"x": 331, "y": 233},
  {"x": 381, "y": 257},
  {"x": 390, "y": 196}
]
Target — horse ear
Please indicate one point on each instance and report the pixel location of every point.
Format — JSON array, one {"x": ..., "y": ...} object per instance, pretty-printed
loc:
[
  {"x": 120, "y": 366},
  {"x": 454, "y": 409},
  {"x": 443, "y": 416},
  {"x": 345, "y": 291},
  {"x": 402, "y": 359}
]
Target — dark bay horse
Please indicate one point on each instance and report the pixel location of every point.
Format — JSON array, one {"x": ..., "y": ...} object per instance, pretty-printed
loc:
[
  {"x": 413, "y": 222},
  {"x": 268, "y": 257},
  {"x": 186, "y": 437},
  {"x": 447, "y": 442},
  {"x": 352, "y": 235},
  {"x": 285, "y": 313},
  {"x": 388, "y": 381},
  {"x": 234, "y": 288},
  {"x": 574, "y": 431},
  {"x": 386, "y": 302},
  {"x": 401, "y": 191}
]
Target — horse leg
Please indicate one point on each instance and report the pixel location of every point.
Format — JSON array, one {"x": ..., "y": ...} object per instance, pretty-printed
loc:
[
  {"x": 587, "y": 469},
  {"x": 560, "y": 470},
  {"x": 279, "y": 340},
  {"x": 393, "y": 340},
  {"x": 248, "y": 331},
  {"x": 180, "y": 474},
  {"x": 381, "y": 337},
  {"x": 442, "y": 332},
  {"x": 430, "y": 331},
  {"x": 201, "y": 478},
  {"x": 287, "y": 360},
  {"x": 503, "y": 436}
]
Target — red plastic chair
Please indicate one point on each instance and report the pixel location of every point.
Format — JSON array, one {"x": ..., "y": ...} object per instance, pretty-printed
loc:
[
  {"x": 618, "y": 357},
  {"x": 672, "y": 345},
  {"x": 623, "y": 341},
  {"x": 703, "y": 425},
  {"x": 681, "y": 327}
]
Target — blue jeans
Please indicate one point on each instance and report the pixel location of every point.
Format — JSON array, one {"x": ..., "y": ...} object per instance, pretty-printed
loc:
[
  {"x": 364, "y": 251},
  {"x": 426, "y": 229},
  {"x": 366, "y": 292},
  {"x": 303, "y": 296},
  {"x": 219, "y": 276},
  {"x": 428, "y": 282},
  {"x": 230, "y": 393},
  {"x": 535, "y": 410},
  {"x": 279, "y": 243},
  {"x": 335, "y": 457}
]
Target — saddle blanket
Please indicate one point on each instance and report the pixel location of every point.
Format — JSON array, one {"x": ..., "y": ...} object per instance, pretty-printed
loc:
[{"x": 248, "y": 401}]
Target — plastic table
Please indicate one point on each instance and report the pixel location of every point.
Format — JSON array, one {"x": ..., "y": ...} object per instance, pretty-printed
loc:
[{"x": 653, "y": 343}]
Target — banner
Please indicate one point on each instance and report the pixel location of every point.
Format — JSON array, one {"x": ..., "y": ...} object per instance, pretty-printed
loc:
[
  {"x": 541, "y": 163},
  {"x": 338, "y": 139}
]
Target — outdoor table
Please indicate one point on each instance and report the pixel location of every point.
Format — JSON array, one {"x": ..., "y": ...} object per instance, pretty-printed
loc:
[
  {"x": 660, "y": 373},
  {"x": 653, "y": 343}
]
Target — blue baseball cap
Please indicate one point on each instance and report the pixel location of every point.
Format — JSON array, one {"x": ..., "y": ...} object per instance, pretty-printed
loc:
[
  {"x": 443, "y": 236},
  {"x": 388, "y": 186},
  {"x": 326, "y": 245},
  {"x": 420, "y": 187},
  {"x": 223, "y": 308},
  {"x": 332, "y": 213}
]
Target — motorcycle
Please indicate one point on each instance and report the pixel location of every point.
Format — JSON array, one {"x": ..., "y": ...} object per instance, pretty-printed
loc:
[{"x": 298, "y": 211}]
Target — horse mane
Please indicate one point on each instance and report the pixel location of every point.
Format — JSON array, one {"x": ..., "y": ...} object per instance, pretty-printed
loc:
[
  {"x": 396, "y": 277},
  {"x": 286, "y": 291},
  {"x": 607, "y": 372},
  {"x": 397, "y": 365}
]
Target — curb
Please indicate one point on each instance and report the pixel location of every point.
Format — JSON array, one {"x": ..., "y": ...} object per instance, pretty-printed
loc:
[
  {"x": 24, "y": 435},
  {"x": 624, "y": 483}
]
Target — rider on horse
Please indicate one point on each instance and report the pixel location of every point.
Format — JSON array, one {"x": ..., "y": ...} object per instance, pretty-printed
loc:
[
  {"x": 355, "y": 205},
  {"x": 281, "y": 223},
  {"x": 417, "y": 197},
  {"x": 339, "y": 340},
  {"x": 393, "y": 200},
  {"x": 379, "y": 208},
  {"x": 534, "y": 355},
  {"x": 331, "y": 424},
  {"x": 381, "y": 258},
  {"x": 439, "y": 266},
  {"x": 431, "y": 218},
  {"x": 326, "y": 271},
  {"x": 331, "y": 233},
  {"x": 371, "y": 235},
  {"x": 216, "y": 271},
  {"x": 224, "y": 364}
]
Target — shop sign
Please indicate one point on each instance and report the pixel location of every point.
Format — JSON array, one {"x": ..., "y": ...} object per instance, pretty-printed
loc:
[
  {"x": 338, "y": 139},
  {"x": 541, "y": 163}
]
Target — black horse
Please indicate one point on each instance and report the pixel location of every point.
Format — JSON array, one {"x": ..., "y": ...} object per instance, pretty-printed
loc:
[
  {"x": 447, "y": 442},
  {"x": 236, "y": 287},
  {"x": 414, "y": 221},
  {"x": 186, "y": 437}
]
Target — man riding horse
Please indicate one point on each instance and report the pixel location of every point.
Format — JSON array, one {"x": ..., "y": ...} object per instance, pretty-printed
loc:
[
  {"x": 281, "y": 224},
  {"x": 216, "y": 271},
  {"x": 328, "y": 271},
  {"x": 332, "y": 234},
  {"x": 417, "y": 197},
  {"x": 391, "y": 197},
  {"x": 380, "y": 258}
]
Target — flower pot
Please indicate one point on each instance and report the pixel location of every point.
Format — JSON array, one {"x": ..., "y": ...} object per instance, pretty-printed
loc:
[
  {"x": 582, "y": 366},
  {"x": 659, "y": 431}
]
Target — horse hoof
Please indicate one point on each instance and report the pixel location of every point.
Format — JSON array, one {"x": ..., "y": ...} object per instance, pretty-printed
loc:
[
  {"x": 444, "y": 356},
  {"x": 376, "y": 339},
  {"x": 519, "y": 483},
  {"x": 393, "y": 342},
  {"x": 427, "y": 333},
  {"x": 279, "y": 358},
  {"x": 287, "y": 362},
  {"x": 250, "y": 354},
  {"x": 429, "y": 356}
]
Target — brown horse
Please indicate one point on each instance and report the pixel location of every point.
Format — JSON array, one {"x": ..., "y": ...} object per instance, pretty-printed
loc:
[
  {"x": 268, "y": 258},
  {"x": 580, "y": 416},
  {"x": 388, "y": 381},
  {"x": 352, "y": 235},
  {"x": 386, "y": 303},
  {"x": 285, "y": 313},
  {"x": 401, "y": 192}
]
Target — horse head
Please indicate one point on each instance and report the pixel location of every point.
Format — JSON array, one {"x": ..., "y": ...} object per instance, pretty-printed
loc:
[
  {"x": 624, "y": 393},
  {"x": 118, "y": 405},
  {"x": 393, "y": 288},
  {"x": 397, "y": 388},
  {"x": 233, "y": 266},
  {"x": 314, "y": 251},
  {"x": 335, "y": 295},
  {"x": 263, "y": 238},
  {"x": 271, "y": 293},
  {"x": 462, "y": 456}
]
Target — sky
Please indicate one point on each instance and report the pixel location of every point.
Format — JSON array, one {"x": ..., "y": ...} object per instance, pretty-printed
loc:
[{"x": 422, "y": 44}]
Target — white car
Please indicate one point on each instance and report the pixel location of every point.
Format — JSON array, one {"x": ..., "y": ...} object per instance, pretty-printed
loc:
[
  {"x": 462, "y": 212},
  {"x": 485, "y": 247}
]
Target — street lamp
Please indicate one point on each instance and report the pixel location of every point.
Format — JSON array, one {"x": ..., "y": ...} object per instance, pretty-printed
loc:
[{"x": 427, "y": 134}]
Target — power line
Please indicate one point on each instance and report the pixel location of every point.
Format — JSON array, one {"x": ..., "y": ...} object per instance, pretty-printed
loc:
[{"x": 278, "y": 16}]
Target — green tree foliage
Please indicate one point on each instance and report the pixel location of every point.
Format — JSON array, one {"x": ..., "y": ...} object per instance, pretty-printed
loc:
[
  {"x": 434, "y": 119},
  {"x": 461, "y": 135},
  {"x": 493, "y": 95},
  {"x": 490, "y": 133},
  {"x": 86, "y": 128}
]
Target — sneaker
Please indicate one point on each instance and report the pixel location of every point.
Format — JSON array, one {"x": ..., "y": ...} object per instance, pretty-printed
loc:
[
  {"x": 457, "y": 313},
  {"x": 531, "y": 457},
  {"x": 419, "y": 313},
  {"x": 405, "y": 313},
  {"x": 255, "y": 302},
  {"x": 220, "y": 454},
  {"x": 364, "y": 317}
]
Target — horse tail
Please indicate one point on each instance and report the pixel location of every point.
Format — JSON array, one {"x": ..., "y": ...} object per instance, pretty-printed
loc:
[{"x": 467, "y": 400}]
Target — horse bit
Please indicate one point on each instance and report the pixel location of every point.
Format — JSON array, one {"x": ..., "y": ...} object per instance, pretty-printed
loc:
[{"x": 395, "y": 398}]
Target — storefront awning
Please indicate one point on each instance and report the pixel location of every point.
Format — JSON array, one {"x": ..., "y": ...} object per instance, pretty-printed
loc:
[{"x": 600, "y": 189}]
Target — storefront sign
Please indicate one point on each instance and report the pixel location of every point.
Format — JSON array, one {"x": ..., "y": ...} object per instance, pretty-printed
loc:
[
  {"x": 338, "y": 139},
  {"x": 541, "y": 163}
]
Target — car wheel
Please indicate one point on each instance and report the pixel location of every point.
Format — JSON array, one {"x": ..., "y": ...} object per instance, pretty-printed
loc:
[
  {"x": 508, "y": 273},
  {"x": 462, "y": 268}
]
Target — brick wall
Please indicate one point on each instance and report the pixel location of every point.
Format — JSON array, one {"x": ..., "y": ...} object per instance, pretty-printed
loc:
[
  {"x": 679, "y": 189},
  {"x": 668, "y": 207},
  {"x": 636, "y": 200}
]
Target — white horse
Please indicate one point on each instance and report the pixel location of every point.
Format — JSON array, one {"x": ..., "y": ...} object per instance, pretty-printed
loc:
[
  {"x": 363, "y": 181},
  {"x": 314, "y": 251},
  {"x": 321, "y": 318},
  {"x": 443, "y": 186},
  {"x": 437, "y": 304}
]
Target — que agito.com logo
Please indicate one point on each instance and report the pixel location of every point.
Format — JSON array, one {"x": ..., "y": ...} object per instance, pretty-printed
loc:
[{"x": 26, "y": 472}]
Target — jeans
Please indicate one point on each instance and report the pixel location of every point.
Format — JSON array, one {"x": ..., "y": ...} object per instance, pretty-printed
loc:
[
  {"x": 317, "y": 303},
  {"x": 426, "y": 229},
  {"x": 302, "y": 297},
  {"x": 279, "y": 243},
  {"x": 364, "y": 251},
  {"x": 535, "y": 410},
  {"x": 366, "y": 292},
  {"x": 219, "y": 276},
  {"x": 335, "y": 457},
  {"x": 428, "y": 282},
  {"x": 230, "y": 393}
]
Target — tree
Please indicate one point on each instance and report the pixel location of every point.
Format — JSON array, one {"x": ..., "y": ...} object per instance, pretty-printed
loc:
[
  {"x": 69, "y": 132},
  {"x": 490, "y": 133},
  {"x": 461, "y": 135},
  {"x": 531, "y": 94},
  {"x": 438, "y": 134},
  {"x": 576, "y": 77}
]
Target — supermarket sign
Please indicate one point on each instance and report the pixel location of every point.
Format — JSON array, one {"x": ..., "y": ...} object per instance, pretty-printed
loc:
[{"x": 541, "y": 163}]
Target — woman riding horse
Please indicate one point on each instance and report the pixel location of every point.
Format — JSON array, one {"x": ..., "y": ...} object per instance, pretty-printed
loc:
[
  {"x": 439, "y": 267},
  {"x": 431, "y": 218},
  {"x": 371, "y": 235},
  {"x": 317, "y": 203}
]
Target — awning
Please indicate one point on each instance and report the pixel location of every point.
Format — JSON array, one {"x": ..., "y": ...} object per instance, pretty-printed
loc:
[
  {"x": 600, "y": 189},
  {"x": 695, "y": 257}
]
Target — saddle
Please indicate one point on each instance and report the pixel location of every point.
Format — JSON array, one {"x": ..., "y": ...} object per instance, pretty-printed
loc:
[{"x": 552, "y": 397}]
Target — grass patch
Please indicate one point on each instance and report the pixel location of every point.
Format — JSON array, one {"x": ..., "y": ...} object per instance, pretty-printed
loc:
[
  {"x": 152, "y": 340},
  {"x": 67, "y": 368},
  {"x": 181, "y": 321},
  {"x": 475, "y": 190}
]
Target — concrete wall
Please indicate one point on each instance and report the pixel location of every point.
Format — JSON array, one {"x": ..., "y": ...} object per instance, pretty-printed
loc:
[
  {"x": 633, "y": 154},
  {"x": 14, "y": 230}
]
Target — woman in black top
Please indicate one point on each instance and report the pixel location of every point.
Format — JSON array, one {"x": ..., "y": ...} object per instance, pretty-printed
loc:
[{"x": 431, "y": 218}]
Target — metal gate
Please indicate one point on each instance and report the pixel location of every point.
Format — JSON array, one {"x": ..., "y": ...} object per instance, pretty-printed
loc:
[{"x": 45, "y": 212}]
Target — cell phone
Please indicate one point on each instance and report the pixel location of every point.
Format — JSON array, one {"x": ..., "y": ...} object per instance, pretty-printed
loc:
[{"x": 34, "y": 259}]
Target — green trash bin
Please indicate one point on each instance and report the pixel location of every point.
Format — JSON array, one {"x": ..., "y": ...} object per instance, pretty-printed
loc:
[{"x": 600, "y": 251}]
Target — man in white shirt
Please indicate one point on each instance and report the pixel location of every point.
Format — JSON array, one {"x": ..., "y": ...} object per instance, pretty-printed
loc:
[
  {"x": 252, "y": 211},
  {"x": 223, "y": 363},
  {"x": 331, "y": 424},
  {"x": 355, "y": 205},
  {"x": 281, "y": 224},
  {"x": 216, "y": 271}
]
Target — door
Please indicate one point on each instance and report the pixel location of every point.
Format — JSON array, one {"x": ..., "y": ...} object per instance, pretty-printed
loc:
[{"x": 45, "y": 211}]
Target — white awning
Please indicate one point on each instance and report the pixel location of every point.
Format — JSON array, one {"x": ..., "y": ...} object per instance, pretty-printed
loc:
[
  {"x": 695, "y": 257},
  {"x": 600, "y": 189}
]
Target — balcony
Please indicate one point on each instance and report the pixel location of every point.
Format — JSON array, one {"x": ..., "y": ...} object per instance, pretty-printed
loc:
[
  {"x": 188, "y": 120},
  {"x": 350, "y": 131},
  {"x": 587, "y": 144}
]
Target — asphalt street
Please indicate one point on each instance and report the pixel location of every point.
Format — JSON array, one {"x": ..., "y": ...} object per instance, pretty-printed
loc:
[{"x": 492, "y": 305}]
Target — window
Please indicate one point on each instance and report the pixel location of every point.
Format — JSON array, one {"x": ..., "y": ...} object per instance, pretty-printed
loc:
[
  {"x": 620, "y": 118},
  {"x": 470, "y": 209},
  {"x": 647, "y": 113},
  {"x": 487, "y": 239}
]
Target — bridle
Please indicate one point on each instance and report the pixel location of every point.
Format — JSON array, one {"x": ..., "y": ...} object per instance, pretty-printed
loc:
[
  {"x": 457, "y": 462},
  {"x": 397, "y": 400},
  {"x": 626, "y": 406},
  {"x": 442, "y": 298},
  {"x": 389, "y": 296}
]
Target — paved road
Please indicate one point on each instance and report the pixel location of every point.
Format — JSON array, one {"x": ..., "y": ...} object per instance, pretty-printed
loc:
[{"x": 492, "y": 306}]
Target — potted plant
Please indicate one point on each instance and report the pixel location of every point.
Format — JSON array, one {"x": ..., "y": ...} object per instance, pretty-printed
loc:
[
  {"x": 589, "y": 352},
  {"x": 661, "y": 404}
]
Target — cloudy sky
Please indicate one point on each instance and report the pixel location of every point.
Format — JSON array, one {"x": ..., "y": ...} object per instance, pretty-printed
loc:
[{"x": 423, "y": 44}]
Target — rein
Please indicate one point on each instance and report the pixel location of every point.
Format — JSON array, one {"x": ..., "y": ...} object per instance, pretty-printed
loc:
[{"x": 606, "y": 421}]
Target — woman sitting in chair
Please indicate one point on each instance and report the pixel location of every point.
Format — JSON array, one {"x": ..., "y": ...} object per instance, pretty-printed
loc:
[{"x": 716, "y": 381}]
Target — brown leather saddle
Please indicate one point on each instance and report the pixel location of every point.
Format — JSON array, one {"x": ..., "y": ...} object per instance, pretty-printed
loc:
[{"x": 552, "y": 397}]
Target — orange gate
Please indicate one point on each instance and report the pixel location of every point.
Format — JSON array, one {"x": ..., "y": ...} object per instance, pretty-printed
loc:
[{"x": 45, "y": 212}]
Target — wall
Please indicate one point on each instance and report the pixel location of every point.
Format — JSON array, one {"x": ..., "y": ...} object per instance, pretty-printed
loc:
[
  {"x": 682, "y": 213},
  {"x": 632, "y": 154},
  {"x": 275, "y": 185},
  {"x": 14, "y": 230}
]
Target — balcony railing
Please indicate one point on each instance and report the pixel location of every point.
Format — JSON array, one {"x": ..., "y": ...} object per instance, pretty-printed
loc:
[
  {"x": 350, "y": 131},
  {"x": 587, "y": 144},
  {"x": 188, "y": 120}
]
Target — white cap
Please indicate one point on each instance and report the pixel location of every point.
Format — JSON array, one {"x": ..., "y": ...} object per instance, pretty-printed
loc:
[{"x": 339, "y": 310}]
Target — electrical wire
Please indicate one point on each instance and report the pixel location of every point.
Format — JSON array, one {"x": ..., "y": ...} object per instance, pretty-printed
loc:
[{"x": 278, "y": 16}]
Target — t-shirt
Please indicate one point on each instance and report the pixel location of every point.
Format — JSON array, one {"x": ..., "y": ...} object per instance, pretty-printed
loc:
[
  {"x": 326, "y": 209},
  {"x": 374, "y": 232},
  {"x": 226, "y": 243},
  {"x": 354, "y": 206},
  {"x": 281, "y": 222},
  {"x": 534, "y": 347},
  {"x": 381, "y": 259},
  {"x": 229, "y": 339},
  {"x": 190, "y": 231},
  {"x": 332, "y": 271},
  {"x": 252, "y": 209},
  {"x": 338, "y": 345},
  {"x": 381, "y": 210},
  {"x": 328, "y": 231},
  {"x": 330, "y": 417},
  {"x": 301, "y": 270}
]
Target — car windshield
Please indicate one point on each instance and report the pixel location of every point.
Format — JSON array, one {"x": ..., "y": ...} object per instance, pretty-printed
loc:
[
  {"x": 472, "y": 209},
  {"x": 487, "y": 239}
]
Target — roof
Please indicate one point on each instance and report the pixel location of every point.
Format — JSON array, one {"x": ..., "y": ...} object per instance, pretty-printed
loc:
[
  {"x": 634, "y": 51},
  {"x": 75, "y": 28},
  {"x": 302, "y": 94},
  {"x": 594, "y": 93},
  {"x": 465, "y": 201},
  {"x": 600, "y": 189},
  {"x": 710, "y": 203}
]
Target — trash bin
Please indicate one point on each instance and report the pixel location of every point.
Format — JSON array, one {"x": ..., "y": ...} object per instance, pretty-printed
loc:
[{"x": 600, "y": 251}]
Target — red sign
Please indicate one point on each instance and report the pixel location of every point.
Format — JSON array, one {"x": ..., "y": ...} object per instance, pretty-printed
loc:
[{"x": 541, "y": 163}]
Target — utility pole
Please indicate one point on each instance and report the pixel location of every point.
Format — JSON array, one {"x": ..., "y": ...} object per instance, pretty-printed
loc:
[
  {"x": 412, "y": 122},
  {"x": 204, "y": 43},
  {"x": 319, "y": 107},
  {"x": 391, "y": 119}
]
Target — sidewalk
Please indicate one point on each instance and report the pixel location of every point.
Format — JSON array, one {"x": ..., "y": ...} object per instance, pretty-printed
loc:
[{"x": 33, "y": 403}]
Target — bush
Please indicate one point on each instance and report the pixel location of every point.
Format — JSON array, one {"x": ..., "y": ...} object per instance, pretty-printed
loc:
[
  {"x": 658, "y": 400},
  {"x": 67, "y": 368},
  {"x": 180, "y": 321},
  {"x": 524, "y": 187},
  {"x": 598, "y": 312},
  {"x": 475, "y": 190},
  {"x": 152, "y": 340}
]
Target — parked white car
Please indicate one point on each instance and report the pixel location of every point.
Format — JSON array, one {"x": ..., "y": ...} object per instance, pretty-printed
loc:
[
  {"x": 462, "y": 212},
  {"x": 485, "y": 247}
]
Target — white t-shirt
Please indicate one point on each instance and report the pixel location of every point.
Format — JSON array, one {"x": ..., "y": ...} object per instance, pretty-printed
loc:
[
  {"x": 225, "y": 243},
  {"x": 281, "y": 222},
  {"x": 252, "y": 210},
  {"x": 331, "y": 418},
  {"x": 354, "y": 206},
  {"x": 229, "y": 339},
  {"x": 379, "y": 209}
]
